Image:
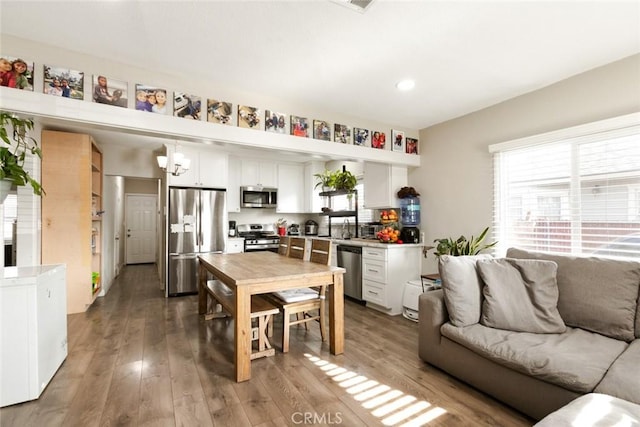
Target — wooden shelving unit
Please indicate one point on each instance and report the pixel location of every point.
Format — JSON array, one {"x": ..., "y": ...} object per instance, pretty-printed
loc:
[{"x": 71, "y": 213}]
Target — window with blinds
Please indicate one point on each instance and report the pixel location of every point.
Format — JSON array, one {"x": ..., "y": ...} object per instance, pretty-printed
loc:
[
  {"x": 10, "y": 215},
  {"x": 577, "y": 194}
]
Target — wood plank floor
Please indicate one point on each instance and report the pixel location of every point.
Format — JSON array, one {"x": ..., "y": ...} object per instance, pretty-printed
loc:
[{"x": 139, "y": 359}]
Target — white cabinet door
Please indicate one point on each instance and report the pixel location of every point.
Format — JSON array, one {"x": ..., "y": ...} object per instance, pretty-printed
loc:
[
  {"x": 233, "y": 185},
  {"x": 212, "y": 169},
  {"x": 312, "y": 199},
  {"x": 208, "y": 169},
  {"x": 381, "y": 185},
  {"x": 260, "y": 173},
  {"x": 290, "y": 188}
]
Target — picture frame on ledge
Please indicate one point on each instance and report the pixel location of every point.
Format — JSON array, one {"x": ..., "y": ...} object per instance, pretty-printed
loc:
[
  {"x": 412, "y": 146},
  {"x": 378, "y": 140},
  {"x": 187, "y": 106},
  {"x": 219, "y": 112},
  {"x": 18, "y": 73},
  {"x": 248, "y": 117},
  {"x": 151, "y": 99},
  {"x": 275, "y": 122},
  {"x": 321, "y": 130},
  {"x": 110, "y": 91},
  {"x": 63, "y": 82},
  {"x": 342, "y": 134},
  {"x": 397, "y": 137},
  {"x": 299, "y": 126},
  {"x": 361, "y": 137}
]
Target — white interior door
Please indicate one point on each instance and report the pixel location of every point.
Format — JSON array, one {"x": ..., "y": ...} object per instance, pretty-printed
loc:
[{"x": 141, "y": 243}]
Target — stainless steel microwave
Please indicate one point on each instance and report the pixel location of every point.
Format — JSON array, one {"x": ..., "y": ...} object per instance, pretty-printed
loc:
[{"x": 258, "y": 197}]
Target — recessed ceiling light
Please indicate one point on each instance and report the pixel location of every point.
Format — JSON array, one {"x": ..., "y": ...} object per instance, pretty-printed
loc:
[{"x": 405, "y": 85}]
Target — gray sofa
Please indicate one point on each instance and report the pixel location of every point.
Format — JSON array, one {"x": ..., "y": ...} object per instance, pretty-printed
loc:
[{"x": 585, "y": 313}]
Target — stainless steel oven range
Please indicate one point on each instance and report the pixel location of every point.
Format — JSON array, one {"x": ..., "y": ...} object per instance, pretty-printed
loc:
[{"x": 259, "y": 237}]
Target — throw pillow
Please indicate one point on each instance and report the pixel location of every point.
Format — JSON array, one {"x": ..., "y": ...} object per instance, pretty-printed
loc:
[
  {"x": 520, "y": 295},
  {"x": 596, "y": 294},
  {"x": 462, "y": 288}
]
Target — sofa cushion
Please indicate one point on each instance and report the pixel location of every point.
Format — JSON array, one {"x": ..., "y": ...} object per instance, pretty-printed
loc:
[
  {"x": 576, "y": 360},
  {"x": 520, "y": 295},
  {"x": 623, "y": 378},
  {"x": 597, "y": 294},
  {"x": 594, "y": 410},
  {"x": 462, "y": 288}
]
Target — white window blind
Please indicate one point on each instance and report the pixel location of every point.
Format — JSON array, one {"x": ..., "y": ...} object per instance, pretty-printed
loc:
[
  {"x": 10, "y": 215},
  {"x": 577, "y": 194}
]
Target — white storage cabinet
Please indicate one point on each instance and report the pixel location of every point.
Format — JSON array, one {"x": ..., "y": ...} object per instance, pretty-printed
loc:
[
  {"x": 385, "y": 271},
  {"x": 208, "y": 169},
  {"x": 33, "y": 329}
]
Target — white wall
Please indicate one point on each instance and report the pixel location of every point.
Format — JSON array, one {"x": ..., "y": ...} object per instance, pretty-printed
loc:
[
  {"x": 456, "y": 177},
  {"x": 112, "y": 230}
]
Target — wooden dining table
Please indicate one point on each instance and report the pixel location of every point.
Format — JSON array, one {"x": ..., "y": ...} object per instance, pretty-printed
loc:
[{"x": 261, "y": 272}]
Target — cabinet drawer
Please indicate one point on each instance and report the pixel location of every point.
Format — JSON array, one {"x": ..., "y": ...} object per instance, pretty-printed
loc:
[
  {"x": 374, "y": 292},
  {"x": 374, "y": 253},
  {"x": 374, "y": 270}
]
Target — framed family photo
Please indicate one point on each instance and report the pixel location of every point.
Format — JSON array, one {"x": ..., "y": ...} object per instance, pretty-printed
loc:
[
  {"x": 275, "y": 122},
  {"x": 299, "y": 126},
  {"x": 16, "y": 73},
  {"x": 219, "y": 112},
  {"x": 248, "y": 117},
  {"x": 63, "y": 82},
  {"x": 321, "y": 130},
  {"x": 361, "y": 137},
  {"x": 412, "y": 146},
  {"x": 342, "y": 134},
  {"x": 151, "y": 99},
  {"x": 398, "y": 140},
  {"x": 378, "y": 140},
  {"x": 109, "y": 91}
]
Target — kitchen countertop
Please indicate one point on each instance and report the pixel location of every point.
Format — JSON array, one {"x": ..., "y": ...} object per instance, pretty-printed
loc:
[{"x": 374, "y": 243}]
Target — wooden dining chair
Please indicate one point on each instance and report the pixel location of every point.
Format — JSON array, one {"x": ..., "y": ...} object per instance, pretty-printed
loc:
[
  {"x": 283, "y": 246},
  {"x": 297, "y": 247},
  {"x": 304, "y": 302}
]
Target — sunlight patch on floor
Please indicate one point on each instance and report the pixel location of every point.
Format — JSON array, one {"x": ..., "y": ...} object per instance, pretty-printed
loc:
[{"x": 392, "y": 407}]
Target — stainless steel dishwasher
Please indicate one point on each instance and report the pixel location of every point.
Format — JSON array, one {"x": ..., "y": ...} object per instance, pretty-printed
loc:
[{"x": 350, "y": 257}]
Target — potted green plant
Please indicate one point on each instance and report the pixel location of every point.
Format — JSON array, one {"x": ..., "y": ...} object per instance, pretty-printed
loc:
[
  {"x": 326, "y": 179},
  {"x": 345, "y": 181},
  {"x": 17, "y": 143},
  {"x": 462, "y": 245}
]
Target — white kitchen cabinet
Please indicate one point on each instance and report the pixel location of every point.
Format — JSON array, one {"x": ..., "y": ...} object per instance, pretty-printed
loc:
[
  {"x": 381, "y": 185},
  {"x": 312, "y": 199},
  {"x": 233, "y": 185},
  {"x": 385, "y": 271},
  {"x": 208, "y": 168},
  {"x": 235, "y": 245},
  {"x": 259, "y": 173},
  {"x": 290, "y": 188},
  {"x": 33, "y": 329}
]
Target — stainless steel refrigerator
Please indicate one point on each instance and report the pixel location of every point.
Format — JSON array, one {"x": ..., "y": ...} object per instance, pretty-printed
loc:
[{"x": 197, "y": 224}]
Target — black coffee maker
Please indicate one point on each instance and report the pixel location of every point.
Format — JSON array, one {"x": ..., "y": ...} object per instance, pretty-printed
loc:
[{"x": 410, "y": 235}]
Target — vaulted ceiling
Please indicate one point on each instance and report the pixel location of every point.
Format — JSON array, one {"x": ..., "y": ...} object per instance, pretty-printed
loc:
[{"x": 463, "y": 55}]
